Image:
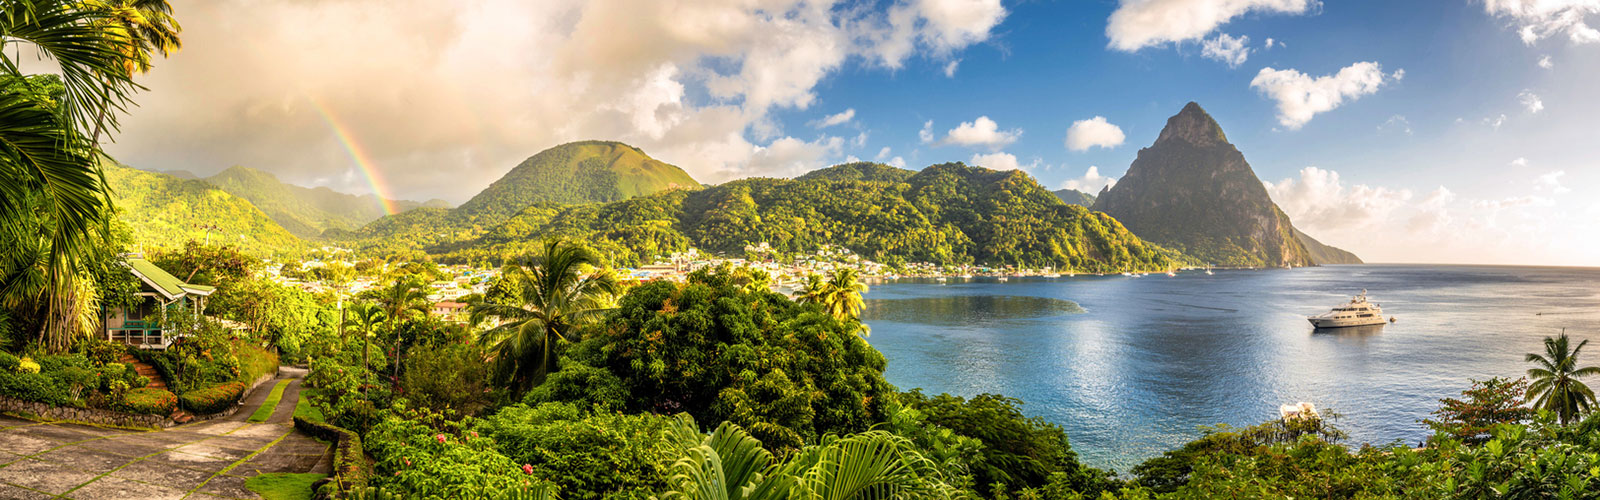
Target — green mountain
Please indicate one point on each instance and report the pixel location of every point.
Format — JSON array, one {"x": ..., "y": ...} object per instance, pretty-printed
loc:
[
  {"x": 859, "y": 171},
  {"x": 579, "y": 172},
  {"x": 1075, "y": 197},
  {"x": 948, "y": 213},
  {"x": 164, "y": 212},
  {"x": 306, "y": 212},
  {"x": 1194, "y": 192},
  {"x": 1323, "y": 254}
]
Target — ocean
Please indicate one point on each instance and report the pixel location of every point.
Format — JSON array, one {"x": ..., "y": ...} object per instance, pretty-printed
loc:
[{"x": 1132, "y": 367}]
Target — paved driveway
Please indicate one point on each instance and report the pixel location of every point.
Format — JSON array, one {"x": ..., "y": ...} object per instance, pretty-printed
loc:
[{"x": 204, "y": 460}]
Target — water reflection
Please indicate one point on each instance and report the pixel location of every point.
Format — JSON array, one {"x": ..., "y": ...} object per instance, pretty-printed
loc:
[{"x": 964, "y": 310}]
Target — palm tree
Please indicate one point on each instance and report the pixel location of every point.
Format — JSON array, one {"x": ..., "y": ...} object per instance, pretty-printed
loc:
[
  {"x": 1555, "y": 377},
  {"x": 365, "y": 318},
  {"x": 557, "y": 296},
  {"x": 842, "y": 296},
  {"x": 51, "y": 188},
  {"x": 145, "y": 26},
  {"x": 729, "y": 464},
  {"x": 406, "y": 297},
  {"x": 814, "y": 289}
]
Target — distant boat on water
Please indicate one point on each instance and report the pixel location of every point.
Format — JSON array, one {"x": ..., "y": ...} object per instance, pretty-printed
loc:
[{"x": 1358, "y": 312}]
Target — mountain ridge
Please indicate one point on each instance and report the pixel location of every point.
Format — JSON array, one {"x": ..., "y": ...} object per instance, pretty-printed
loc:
[{"x": 1194, "y": 191}]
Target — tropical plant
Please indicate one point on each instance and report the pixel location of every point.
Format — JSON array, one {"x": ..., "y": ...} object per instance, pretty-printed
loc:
[
  {"x": 557, "y": 296},
  {"x": 729, "y": 464},
  {"x": 1489, "y": 403},
  {"x": 365, "y": 318},
  {"x": 52, "y": 192},
  {"x": 1555, "y": 375},
  {"x": 814, "y": 289},
  {"x": 842, "y": 297},
  {"x": 408, "y": 296},
  {"x": 144, "y": 26}
]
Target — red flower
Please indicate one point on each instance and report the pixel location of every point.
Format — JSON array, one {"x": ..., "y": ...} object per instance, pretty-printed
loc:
[
  {"x": 440, "y": 438},
  {"x": 527, "y": 469}
]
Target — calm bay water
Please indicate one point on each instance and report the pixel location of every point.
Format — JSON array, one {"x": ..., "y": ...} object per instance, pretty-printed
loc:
[{"x": 1131, "y": 367}]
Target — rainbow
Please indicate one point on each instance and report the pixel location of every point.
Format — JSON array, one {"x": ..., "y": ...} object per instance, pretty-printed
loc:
[{"x": 363, "y": 160}]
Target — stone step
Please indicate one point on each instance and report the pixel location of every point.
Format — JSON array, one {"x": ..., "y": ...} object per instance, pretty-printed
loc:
[{"x": 144, "y": 370}]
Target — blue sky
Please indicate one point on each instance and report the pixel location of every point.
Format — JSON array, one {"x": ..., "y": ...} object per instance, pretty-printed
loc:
[{"x": 1463, "y": 130}]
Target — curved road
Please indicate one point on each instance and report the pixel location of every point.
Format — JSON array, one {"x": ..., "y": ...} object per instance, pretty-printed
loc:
[{"x": 202, "y": 460}]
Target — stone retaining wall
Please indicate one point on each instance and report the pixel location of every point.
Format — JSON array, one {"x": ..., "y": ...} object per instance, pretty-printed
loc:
[
  {"x": 99, "y": 416},
  {"x": 89, "y": 415}
]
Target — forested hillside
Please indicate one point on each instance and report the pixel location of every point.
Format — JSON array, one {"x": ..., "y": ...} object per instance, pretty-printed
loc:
[
  {"x": 579, "y": 172},
  {"x": 164, "y": 212},
  {"x": 950, "y": 213},
  {"x": 307, "y": 212}
]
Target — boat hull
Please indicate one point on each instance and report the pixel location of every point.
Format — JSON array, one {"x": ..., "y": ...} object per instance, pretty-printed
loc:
[{"x": 1345, "y": 322}]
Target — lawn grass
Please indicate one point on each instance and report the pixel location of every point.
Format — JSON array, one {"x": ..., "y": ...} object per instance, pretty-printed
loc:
[
  {"x": 305, "y": 410},
  {"x": 265, "y": 411},
  {"x": 283, "y": 485}
]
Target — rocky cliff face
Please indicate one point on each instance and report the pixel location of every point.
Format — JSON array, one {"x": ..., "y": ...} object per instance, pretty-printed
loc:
[{"x": 1194, "y": 191}]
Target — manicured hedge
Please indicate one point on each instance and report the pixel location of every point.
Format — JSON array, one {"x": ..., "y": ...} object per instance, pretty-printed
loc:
[
  {"x": 34, "y": 387},
  {"x": 349, "y": 460},
  {"x": 150, "y": 401},
  {"x": 213, "y": 399}
]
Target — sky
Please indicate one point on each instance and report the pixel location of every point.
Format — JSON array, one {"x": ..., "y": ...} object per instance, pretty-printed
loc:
[{"x": 1450, "y": 131}]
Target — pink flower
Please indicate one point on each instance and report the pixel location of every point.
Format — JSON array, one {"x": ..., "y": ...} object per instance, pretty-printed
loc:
[
  {"x": 397, "y": 473},
  {"x": 439, "y": 437},
  {"x": 408, "y": 461},
  {"x": 474, "y": 433},
  {"x": 527, "y": 469}
]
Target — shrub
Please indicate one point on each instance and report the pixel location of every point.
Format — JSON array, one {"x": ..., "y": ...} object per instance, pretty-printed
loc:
[
  {"x": 28, "y": 365},
  {"x": 213, "y": 399},
  {"x": 8, "y": 362},
  {"x": 589, "y": 456},
  {"x": 140, "y": 382},
  {"x": 76, "y": 379},
  {"x": 150, "y": 401},
  {"x": 427, "y": 462},
  {"x": 103, "y": 352},
  {"x": 349, "y": 460},
  {"x": 447, "y": 379},
  {"x": 33, "y": 386}
]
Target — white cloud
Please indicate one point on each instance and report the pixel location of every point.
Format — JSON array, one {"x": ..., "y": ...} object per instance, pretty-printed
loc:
[
  {"x": 882, "y": 154},
  {"x": 1085, "y": 134},
  {"x": 1300, "y": 96},
  {"x": 1002, "y": 161},
  {"x": 1552, "y": 182},
  {"x": 1396, "y": 122},
  {"x": 1270, "y": 42},
  {"x": 788, "y": 156},
  {"x": 1495, "y": 121},
  {"x": 1319, "y": 199},
  {"x": 1520, "y": 162},
  {"x": 981, "y": 132},
  {"x": 926, "y": 134},
  {"x": 950, "y": 68},
  {"x": 1091, "y": 182},
  {"x": 692, "y": 83},
  {"x": 1230, "y": 50},
  {"x": 1137, "y": 24},
  {"x": 1531, "y": 101},
  {"x": 942, "y": 25},
  {"x": 1546, "y": 63},
  {"x": 1539, "y": 19},
  {"x": 839, "y": 118},
  {"x": 897, "y": 162}
]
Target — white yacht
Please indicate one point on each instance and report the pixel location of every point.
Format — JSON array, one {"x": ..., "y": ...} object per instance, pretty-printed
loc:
[{"x": 1359, "y": 312}]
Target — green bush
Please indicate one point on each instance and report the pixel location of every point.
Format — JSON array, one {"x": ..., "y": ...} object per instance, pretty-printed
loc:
[
  {"x": 33, "y": 386},
  {"x": 427, "y": 462},
  {"x": 213, "y": 399},
  {"x": 447, "y": 379},
  {"x": 150, "y": 401},
  {"x": 589, "y": 456},
  {"x": 8, "y": 363}
]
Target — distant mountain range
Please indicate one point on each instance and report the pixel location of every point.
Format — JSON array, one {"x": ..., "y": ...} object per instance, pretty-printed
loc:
[
  {"x": 307, "y": 212},
  {"x": 949, "y": 213},
  {"x": 163, "y": 211},
  {"x": 1075, "y": 197},
  {"x": 1193, "y": 191}
]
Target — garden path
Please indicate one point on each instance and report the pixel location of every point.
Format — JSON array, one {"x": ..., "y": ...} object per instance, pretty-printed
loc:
[{"x": 203, "y": 460}]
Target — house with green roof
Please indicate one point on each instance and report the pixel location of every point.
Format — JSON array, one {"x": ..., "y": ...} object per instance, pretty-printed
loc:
[{"x": 159, "y": 292}]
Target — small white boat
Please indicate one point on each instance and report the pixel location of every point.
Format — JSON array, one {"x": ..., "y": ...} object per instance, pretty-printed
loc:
[
  {"x": 1171, "y": 274},
  {"x": 1359, "y": 312},
  {"x": 1208, "y": 272},
  {"x": 942, "y": 279},
  {"x": 1003, "y": 279}
]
